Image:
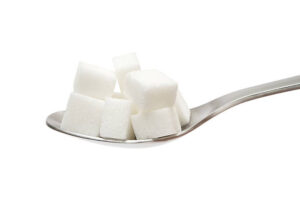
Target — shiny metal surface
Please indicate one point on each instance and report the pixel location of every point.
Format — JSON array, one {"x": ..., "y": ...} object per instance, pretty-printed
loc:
[{"x": 200, "y": 114}]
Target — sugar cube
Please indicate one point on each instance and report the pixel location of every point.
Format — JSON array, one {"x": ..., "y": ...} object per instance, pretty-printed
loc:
[
  {"x": 150, "y": 89},
  {"x": 94, "y": 81},
  {"x": 116, "y": 122},
  {"x": 182, "y": 110},
  {"x": 156, "y": 123},
  {"x": 124, "y": 64},
  {"x": 118, "y": 95},
  {"x": 83, "y": 115}
]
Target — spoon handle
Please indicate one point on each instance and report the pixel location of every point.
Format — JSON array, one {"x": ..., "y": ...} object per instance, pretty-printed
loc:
[
  {"x": 205, "y": 112},
  {"x": 262, "y": 90}
]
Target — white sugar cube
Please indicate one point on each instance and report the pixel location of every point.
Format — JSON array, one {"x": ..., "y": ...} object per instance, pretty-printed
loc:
[
  {"x": 182, "y": 109},
  {"x": 116, "y": 121},
  {"x": 119, "y": 95},
  {"x": 94, "y": 81},
  {"x": 150, "y": 89},
  {"x": 124, "y": 64},
  {"x": 155, "y": 123},
  {"x": 83, "y": 115}
]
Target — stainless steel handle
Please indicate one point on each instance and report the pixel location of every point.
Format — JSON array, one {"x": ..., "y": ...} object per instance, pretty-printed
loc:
[
  {"x": 205, "y": 112},
  {"x": 263, "y": 90}
]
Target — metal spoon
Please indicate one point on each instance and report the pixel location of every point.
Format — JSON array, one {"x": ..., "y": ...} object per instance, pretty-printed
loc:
[{"x": 200, "y": 114}]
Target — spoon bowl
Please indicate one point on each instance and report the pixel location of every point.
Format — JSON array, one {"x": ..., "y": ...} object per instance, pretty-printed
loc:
[
  {"x": 54, "y": 122},
  {"x": 200, "y": 114}
]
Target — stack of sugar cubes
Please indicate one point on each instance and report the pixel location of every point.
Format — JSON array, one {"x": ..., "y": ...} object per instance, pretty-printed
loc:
[{"x": 148, "y": 106}]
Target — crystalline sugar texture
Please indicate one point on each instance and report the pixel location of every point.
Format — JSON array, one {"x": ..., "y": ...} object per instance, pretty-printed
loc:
[
  {"x": 116, "y": 122},
  {"x": 83, "y": 115},
  {"x": 94, "y": 81},
  {"x": 155, "y": 123},
  {"x": 123, "y": 65},
  {"x": 182, "y": 109},
  {"x": 150, "y": 89},
  {"x": 118, "y": 95}
]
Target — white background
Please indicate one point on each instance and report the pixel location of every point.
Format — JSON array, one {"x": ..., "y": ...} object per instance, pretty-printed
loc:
[{"x": 210, "y": 47}]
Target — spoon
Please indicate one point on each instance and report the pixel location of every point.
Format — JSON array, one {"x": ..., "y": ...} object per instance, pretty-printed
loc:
[{"x": 200, "y": 114}]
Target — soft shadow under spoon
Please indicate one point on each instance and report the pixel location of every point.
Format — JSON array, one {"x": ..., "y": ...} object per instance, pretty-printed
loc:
[{"x": 199, "y": 114}]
